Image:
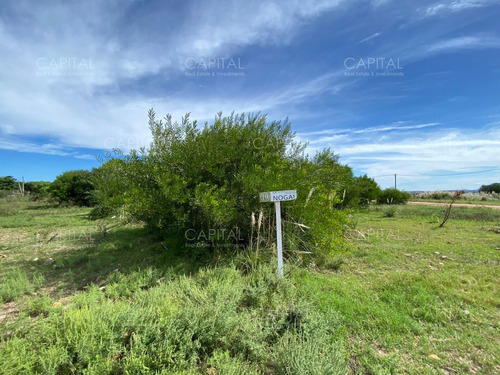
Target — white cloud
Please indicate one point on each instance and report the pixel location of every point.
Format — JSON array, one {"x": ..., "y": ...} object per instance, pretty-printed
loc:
[
  {"x": 399, "y": 125},
  {"x": 368, "y": 38},
  {"x": 421, "y": 159},
  {"x": 455, "y": 6},
  {"x": 465, "y": 42},
  {"x": 88, "y": 107}
]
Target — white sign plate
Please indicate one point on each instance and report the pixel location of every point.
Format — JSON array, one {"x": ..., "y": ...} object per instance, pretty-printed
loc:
[{"x": 278, "y": 196}]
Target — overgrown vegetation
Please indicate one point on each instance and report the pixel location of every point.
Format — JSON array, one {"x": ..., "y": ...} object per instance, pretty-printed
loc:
[
  {"x": 8, "y": 183},
  {"x": 38, "y": 189},
  {"x": 73, "y": 187},
  {"x": 17, "y": 283},
  {"x": 201, "y": 185},
  {"x": 218, "y": 320},
  {"x": 406, "y": 299}
]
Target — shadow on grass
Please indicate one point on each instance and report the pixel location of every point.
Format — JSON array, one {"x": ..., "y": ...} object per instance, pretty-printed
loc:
[
  {"x": 42, "y": 205},
  {"x": 123, "y": 250}
]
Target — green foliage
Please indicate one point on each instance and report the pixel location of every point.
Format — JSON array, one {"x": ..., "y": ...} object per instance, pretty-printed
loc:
[
  {"x": 219, "y": 319},
  {"x": 38, "y": 189},
  {"x": 363, "y": 191},
  {"x": 17, "y": 283},
  {"x": 393, "y": 196},
  {"x": 390, "y": 211},
  {"x": 8, "y": 183},
  {"x": 39, "y": 305},
  {"x": 492, "y": 188},
  {"x": 201, "y": 184},
  {"x": 74, "y": 187}
]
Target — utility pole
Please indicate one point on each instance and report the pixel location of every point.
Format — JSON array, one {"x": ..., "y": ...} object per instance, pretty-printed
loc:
[
  {"x": 395, "y": 183},
  {"x": 21, "y": 188}
]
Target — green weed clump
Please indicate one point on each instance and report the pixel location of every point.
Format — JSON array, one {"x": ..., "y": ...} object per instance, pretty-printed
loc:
[
  {"x": 219, "y": 321},
  {"x": 17, "y": 283},
  {"x": 390, "y": 211}
]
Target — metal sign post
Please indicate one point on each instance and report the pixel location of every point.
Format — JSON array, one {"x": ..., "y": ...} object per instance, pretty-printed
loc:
[{"x": 277, "y": 197}]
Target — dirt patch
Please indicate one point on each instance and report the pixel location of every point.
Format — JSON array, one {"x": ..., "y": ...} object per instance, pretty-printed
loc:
[{"x": 10, "y": 310}]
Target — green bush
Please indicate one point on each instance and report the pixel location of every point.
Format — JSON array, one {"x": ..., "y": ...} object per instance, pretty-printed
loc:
[
  {"x": 363, "y": 191},
  {"x": 38, "y": 189},
  {"x": 492, "y": 188},
  {"x": 393, "y": 196},
  {"x": 8, "y": 183},
  {"x": 202, "y": 184},
  {"x": 74, "y": 187}
]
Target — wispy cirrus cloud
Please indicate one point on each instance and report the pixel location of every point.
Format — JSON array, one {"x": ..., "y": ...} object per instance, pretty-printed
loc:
[
  {"x": 454, "y": 6},
  {"x": 49, "y": 148},
  {"x": 368, "y": 38},
  {"x": 418, "y": 156},
  {"x": 465, "y": 42},
  {"x": 395, "y": 126}
]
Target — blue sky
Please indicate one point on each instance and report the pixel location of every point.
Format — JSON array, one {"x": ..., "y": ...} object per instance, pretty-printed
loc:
[{"x": 410, "y": 88}]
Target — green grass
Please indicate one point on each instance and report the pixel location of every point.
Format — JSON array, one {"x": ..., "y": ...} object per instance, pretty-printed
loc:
[{"x": 408, "y": 297}]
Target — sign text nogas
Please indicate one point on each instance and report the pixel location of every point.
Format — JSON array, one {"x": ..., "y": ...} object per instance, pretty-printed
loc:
[{"x": 278, "y": 196}]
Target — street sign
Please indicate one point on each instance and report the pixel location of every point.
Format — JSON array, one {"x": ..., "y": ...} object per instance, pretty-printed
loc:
[{"x": 277, "y": 197}]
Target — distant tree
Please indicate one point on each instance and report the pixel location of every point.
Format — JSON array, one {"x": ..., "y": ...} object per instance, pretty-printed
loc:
[
  {"x": 367, "y": 189},
  {"x": 8, "y": 183},
  {"x": 74, "y": 187},
  {"x": 38, "y": 189},
  {"x": 492, "y": 188},
  {"x": 393, "y": 196}
]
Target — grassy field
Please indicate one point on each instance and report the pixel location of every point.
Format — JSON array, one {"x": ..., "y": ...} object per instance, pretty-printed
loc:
[{"x": 80, "y": 296}]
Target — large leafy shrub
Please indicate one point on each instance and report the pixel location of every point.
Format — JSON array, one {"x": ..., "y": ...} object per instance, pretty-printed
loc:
[
  {"x": 74, "y": 187},
  {"x": 202, "y": 184}
]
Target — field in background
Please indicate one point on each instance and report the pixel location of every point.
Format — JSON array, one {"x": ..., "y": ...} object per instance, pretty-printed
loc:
[
  {"x": 470, "y": 198},
  {"x": 101, "y": 297}
]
